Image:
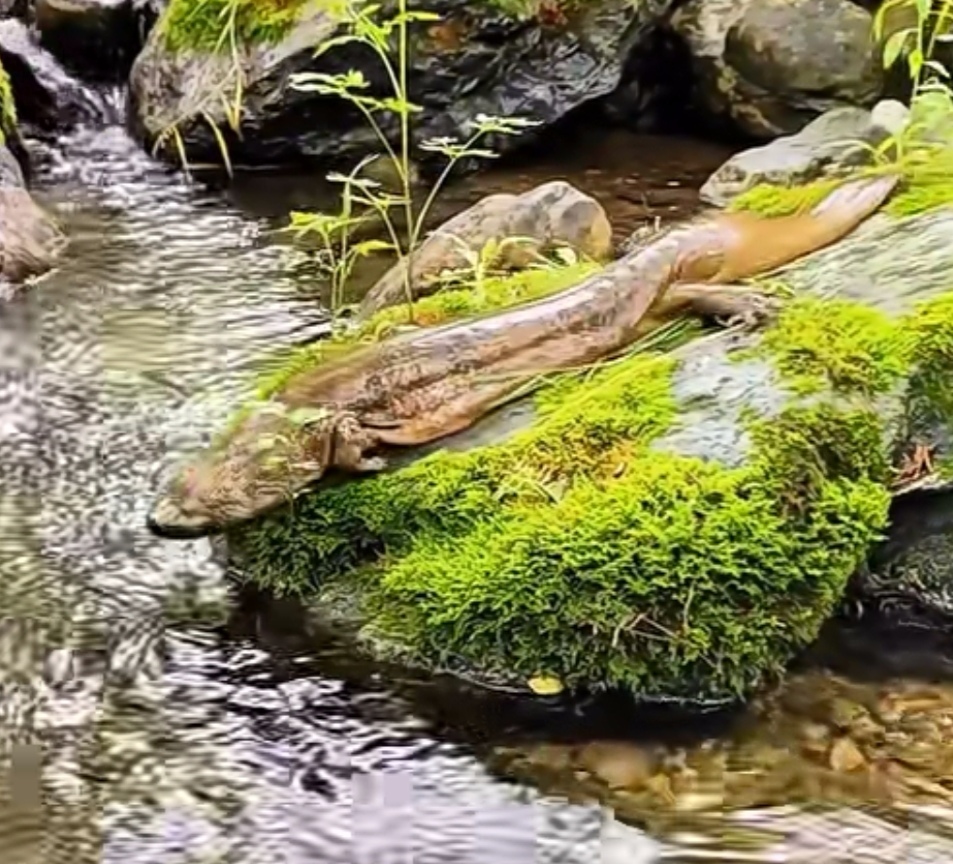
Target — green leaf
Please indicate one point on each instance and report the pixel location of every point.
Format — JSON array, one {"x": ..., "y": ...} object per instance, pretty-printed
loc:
[{"x": 894, "y": 47}]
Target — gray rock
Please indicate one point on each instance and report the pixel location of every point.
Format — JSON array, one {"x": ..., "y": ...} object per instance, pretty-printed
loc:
[
  {"x": 829, "y": 141},
  {"x": 95, "y": 39},
  {"x": 766, "y": 67},
  {"x": 478, "y": 60}
]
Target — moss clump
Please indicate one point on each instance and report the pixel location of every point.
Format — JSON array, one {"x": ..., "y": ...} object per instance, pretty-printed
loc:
[
  {"x": 680, "y": 577},
  {"x": 846, "y": 346},
  {"x": 215, "y": 25},
  {"x": 8, "y": 108},
  {"x": 927, "y": 184}
]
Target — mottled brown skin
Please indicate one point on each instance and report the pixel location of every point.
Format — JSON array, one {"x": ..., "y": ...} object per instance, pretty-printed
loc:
[
  {"x": 426, "y": 385},
  {"x": 550, "y": 215}
]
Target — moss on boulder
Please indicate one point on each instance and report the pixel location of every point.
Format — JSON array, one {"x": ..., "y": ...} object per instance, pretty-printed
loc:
[{"x": 221, "y": 25}]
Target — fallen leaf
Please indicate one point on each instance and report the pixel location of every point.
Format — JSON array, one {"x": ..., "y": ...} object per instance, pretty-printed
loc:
[{"x": 544, "y": 685}]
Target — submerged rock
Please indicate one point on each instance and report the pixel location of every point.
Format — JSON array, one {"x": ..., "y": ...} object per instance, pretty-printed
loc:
[
  {"x": 910, "y": 574},
  {"x": 47, "y": 96},
  {"x": 476, "y": 59},
  {"x": 766, "y": 67},
  {"x": 95, "y": 39}
]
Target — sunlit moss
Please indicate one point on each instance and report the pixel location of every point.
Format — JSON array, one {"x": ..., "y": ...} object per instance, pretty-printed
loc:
[
  {"x": 210, "y": 25},
  {"x": 8, "y": 108},
  {"x": 836, "y": 343},
  {"x": 927, "y": 183}
]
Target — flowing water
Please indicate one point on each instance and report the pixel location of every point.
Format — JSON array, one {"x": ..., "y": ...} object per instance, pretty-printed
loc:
[{"x": 179, "y": 723}]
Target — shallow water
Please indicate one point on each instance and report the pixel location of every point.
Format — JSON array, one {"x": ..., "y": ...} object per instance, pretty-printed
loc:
[{"x": 181, "y": 724}]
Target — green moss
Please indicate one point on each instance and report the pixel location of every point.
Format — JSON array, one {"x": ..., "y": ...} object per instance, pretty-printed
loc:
[
  {"x": 213, "y": 25},
  {"x": 8, "y": 108},
  {"x": 926, "y": 185},
  {"x": 836, "y": 343}
]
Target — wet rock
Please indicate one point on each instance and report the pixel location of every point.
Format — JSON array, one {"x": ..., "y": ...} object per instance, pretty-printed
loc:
[
  {"x": 846, "y": 756},
  {"x": 910, "y": 574},
  {"x": 14, "y": 8},
  {"x": 832, "y": 140},
  {"x": 766, "y": 67},
  {"x": 95, "y": 39},
  {"x": 475, "y": 60},
  {"x": 617, "y": 764},
  {"x": 30, "y": 239},
  {"x": 47, "y": 96}
]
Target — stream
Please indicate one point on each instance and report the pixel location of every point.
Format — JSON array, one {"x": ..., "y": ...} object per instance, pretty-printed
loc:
[{"x": 181, "y": 723}]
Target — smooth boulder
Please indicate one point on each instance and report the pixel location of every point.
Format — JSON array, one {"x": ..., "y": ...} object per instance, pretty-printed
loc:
[
  {"x": 476, "y": 59},
  {"x": 837, "y": 138},
  {"x": 764, "y": 68},
  {"x": 551, "y": 215}
]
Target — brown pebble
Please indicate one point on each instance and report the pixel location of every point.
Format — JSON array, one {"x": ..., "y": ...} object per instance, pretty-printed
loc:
[{"x": 846, "y": 755}]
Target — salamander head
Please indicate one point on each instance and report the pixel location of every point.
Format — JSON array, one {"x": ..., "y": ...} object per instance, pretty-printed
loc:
[{"x": 263, "y": 465}]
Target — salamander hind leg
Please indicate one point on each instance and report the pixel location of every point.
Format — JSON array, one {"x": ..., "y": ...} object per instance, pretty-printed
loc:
[{"x": 730, "y": 305}]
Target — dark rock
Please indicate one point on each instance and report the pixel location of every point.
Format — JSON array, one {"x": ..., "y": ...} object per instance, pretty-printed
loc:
[
  {"x": 15, "y": 8},
  {"x": 95, "y": 39},
  {"x": 47, "y": 96},
  {"x": 909, "y": 576},
  {"x": 767, "y": 67},
  {"x": 477, "y": 60}
]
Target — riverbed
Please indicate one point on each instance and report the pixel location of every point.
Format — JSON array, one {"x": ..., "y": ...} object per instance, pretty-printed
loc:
[{"x": 182, "y": 722}]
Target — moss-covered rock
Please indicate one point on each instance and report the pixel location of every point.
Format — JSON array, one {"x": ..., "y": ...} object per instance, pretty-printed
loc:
[
  {"x": 201, "y": 70},
  {"x": 222, "y": 25},
  {"x": 610, "y": 543}
]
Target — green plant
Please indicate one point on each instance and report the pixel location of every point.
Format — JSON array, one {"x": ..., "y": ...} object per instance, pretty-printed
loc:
[
  {"x": 931, "y": 100},
  {"x": 362, "y": 25}
]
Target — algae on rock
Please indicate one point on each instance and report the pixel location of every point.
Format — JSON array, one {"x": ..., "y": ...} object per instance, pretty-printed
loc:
[{"x": 223, "y": 25}]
